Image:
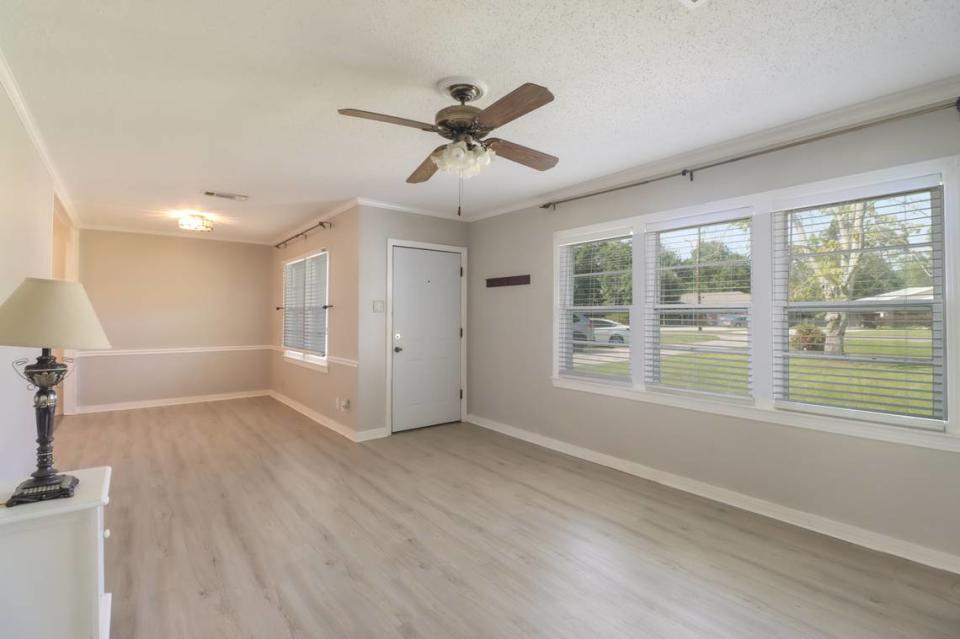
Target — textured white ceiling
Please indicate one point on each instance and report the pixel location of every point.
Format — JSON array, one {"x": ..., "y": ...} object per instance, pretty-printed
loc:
[{"x": 144, "y": 105}]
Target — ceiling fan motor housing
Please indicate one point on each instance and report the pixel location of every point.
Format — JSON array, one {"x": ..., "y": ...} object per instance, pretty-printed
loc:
[{"x": 459, "y": 120}]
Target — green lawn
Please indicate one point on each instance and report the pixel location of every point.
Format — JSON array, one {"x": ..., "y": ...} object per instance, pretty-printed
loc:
[
  {"x": 899, "y": 388},
  {"x": 686, "y": 337}
]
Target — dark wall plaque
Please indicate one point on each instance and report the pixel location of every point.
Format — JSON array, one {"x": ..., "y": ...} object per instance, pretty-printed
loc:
[{"x": 512, "y": 280}]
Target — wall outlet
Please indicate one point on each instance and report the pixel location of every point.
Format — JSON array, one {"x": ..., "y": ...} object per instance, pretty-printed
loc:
[{"x": 343, "y": 404}]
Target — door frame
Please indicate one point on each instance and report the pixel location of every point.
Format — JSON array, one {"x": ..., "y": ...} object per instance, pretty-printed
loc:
[{"x": 462, "y": 250}]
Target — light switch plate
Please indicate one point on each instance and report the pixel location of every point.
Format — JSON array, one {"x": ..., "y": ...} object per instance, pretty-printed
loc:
[{"x": 378, "y": 306}]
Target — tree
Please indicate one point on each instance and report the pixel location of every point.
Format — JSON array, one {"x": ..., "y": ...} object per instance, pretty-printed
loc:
[
  {"x": 603, "y": 273},
  {"x": 845, "y": 253}
]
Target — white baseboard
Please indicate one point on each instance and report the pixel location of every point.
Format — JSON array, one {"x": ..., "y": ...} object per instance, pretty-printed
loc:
[
  {"x": 846, "y": 532},
  {"x": 168, "y": 401},
  {"x": 332, "y": 424}
]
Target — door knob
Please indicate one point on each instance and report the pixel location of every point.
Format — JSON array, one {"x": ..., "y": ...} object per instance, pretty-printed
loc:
[{"x": 397, "y": 349}]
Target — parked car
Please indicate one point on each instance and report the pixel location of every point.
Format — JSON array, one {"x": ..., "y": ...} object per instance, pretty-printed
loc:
[
  {"x": 605, "y": 330},
  {"x": 734, "y": 320}
]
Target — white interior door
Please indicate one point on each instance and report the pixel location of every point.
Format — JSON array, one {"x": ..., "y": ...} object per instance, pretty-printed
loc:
[{"x": 426, "y": 338}]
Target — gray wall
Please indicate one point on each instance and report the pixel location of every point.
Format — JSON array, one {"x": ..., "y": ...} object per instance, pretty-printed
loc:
[
  {"x": 26, "y": 231},
  {"x": 376, "y": 227},
  {"x": 311, "y": 387},
  {"x": 159, "y": 292},
  {"x": 902, "y": 491}
]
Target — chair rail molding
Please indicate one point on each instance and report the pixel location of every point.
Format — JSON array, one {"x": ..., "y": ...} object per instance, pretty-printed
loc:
[{"x": 120, "y": 352}]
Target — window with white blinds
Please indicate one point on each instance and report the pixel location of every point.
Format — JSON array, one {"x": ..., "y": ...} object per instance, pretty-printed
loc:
[
  {"x": 304, "y": 307},
  {"x": 858, "y": 305},
  {"x": 697, "y": 308},
  {"x": 596, "y": 291}
]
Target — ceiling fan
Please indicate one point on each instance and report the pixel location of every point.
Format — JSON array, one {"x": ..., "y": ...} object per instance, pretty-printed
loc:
[{"x": 467, "y": 127}]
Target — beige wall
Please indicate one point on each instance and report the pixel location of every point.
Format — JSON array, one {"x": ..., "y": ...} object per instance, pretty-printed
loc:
[
  {"x": 155, "y": 291},
  {"x": 65, "y": 258},
  {"x": 65, "y": 264},
  {"x": 376, "y": 227},
  {"x": 142, "y": 378},
  {"x": 898, "y": 490},
  {"x": 357, "y": 244},
  {"x": 26, "y": 224},
  {"x": 315, "y": 389},
  {"x": 160, "y": 292}
]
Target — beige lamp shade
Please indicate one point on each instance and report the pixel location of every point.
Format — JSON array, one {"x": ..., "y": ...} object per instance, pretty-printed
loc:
[{"x": 50, "y": 314}]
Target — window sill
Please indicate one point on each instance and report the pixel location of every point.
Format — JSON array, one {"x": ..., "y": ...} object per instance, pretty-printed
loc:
[
  {"x": 314, "y": 366},
  {"x": 773, "y": 415}
]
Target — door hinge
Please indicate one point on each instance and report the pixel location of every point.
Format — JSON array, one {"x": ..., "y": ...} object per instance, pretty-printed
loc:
[
  {"x": 461, "y": 393},
  {"x": 461, "y": 333},
  {"x": 461, "y": 271}
]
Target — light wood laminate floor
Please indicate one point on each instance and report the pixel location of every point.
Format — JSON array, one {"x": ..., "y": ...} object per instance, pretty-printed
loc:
[{"x": 245, "y": 519}]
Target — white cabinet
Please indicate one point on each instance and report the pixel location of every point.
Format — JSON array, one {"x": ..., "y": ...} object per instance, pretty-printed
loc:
[{"x": 51, "y": 564}]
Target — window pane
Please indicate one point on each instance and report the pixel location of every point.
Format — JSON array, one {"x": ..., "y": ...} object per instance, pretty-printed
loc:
[
  {"x": 875, "y": 275},
  {"x": 706, "y": 351},
  {"x": 904, "y": 389},
  {"x": 905, "y": 332},
  {"x": 304, "y": 296},
  {"x": 706, "y": 346},
  {"x": 707, "y": 265},
  {"x": 614, "y": 289},
  {"x": 600, "y": 273},
  {"x": 887, "y": 221},
  {"x": 602, "y": 256},
  {"x": 596, "y": 344},
  {"x": 596, "y": 290},
  {"x": 294, "y": 277},
  {"x": 861, "y": 286},
  {"x": 315, "y": 315}
]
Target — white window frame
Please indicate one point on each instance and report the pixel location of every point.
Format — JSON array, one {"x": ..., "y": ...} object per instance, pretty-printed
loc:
[
  {"x": 918, "y": 431},
  {"x": 703, "y": 219},
  {"x": 307, "y": 358},
  {"x": 582, "y": 235}
]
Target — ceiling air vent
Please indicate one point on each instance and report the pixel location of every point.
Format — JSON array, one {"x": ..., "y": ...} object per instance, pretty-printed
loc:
[{"x": 239, "y": 197}]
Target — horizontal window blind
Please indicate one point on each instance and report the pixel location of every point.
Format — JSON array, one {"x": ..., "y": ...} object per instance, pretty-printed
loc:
[
  {"x": 596, "y": 291},
  {"x": 697, "y": 302},
  {"x": 294, "y": 277},
  {"x": 304, "y": 303},
  {"x": 858, "y": 305}
]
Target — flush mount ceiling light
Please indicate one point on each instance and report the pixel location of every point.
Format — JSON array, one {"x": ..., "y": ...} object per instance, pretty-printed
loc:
[{"x": 194, "y": 221}]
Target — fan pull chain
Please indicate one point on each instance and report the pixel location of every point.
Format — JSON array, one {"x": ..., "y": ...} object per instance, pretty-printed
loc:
[{"x": 459, "y": 193}]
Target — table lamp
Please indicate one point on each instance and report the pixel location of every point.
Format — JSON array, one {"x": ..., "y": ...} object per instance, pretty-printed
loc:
[{"x": 47, "y": 314}]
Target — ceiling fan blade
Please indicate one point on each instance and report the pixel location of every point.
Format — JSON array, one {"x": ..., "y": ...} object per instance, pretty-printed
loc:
[
  {"x": 518, "y": 102},
  {"x": 389, "y": 119},
  {"x": 426, "y": 169},
  {"x": 523, "y": 155}
]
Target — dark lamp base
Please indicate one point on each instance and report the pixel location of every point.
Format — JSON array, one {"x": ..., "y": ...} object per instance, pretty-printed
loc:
[{"x": 34, "y": 490}]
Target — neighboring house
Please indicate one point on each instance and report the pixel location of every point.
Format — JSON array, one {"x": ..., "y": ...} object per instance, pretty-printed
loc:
[{"x": 871, "y": 318}]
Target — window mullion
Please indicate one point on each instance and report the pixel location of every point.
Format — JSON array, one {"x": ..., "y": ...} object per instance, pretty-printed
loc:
[
  {"x": 761, "y": 306},
  {"x": 637, "y": 317}
]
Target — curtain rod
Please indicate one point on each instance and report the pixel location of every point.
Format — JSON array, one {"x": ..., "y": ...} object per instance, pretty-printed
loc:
[
  {"x": 930, "y": 108},
  {"x": 303, "y": 233}
]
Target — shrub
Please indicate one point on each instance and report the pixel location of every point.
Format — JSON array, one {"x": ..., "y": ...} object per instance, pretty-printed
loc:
[{"x": 807, "y": 337}]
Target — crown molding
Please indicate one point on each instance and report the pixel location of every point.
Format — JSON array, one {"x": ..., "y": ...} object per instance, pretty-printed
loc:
[
  {"x": 858, "y": 113},
  {"x": 9, "y": 83},
  {"x": 332, "y": 212},
  {"x": 357, "y": 202},
  {"x": 390, "y": 206}
]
